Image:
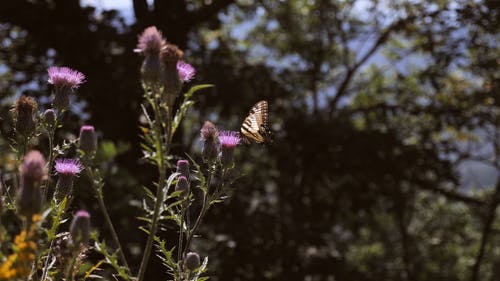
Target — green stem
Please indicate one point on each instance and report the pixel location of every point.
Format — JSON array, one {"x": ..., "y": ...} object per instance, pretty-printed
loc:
[
  {"x": 162, "y": 177},
  {"x": 181, "y": 230},
  {"x": 204, "y": 208},
  {"x": 51, "y": 135},
  {"x": 96, "y": 184}
]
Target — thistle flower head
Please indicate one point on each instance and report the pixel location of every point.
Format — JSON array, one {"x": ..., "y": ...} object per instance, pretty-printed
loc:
[
  {"x": 183, "y": 168},
  {"x": 68, "y": 167},
  {"x": 229, "y": 139},
  {"x": 186, "y": 71},
  {"x": 192, "y": 261},
  {"x": 50, "y": 117},
  {"x": 209, "y": 135},
  {"x": 25, "y": 105},
  {"x": 65, "y": 77},
  {"x": 150, "y": 42},
  {"x": 25, "y": 109},
  {"x": 33, "y": 167},
  {"x": 209, "y": 131},
  {"x": 80, "y": 227},
  {"x": 88, "y": 139}
]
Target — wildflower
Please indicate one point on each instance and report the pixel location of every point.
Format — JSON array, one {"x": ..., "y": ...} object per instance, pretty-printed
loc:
[
  {"x": 33, "y": 168},
  {"x": 209, "y": 136},
  {"x": 150, "y": 41},
  {"x": 150, "y": 44},
  {"x": 29, "y": 196},
  {"x": 172, "y": 82},
  {"x": 88, "y": 139},
  {"x": 192, "y": 261},
  {"x": 25, "y": 110},
  {"x": 186, "y": 71},
  {"x": 183, "y": 168},
  {"x": 80, "y": 228},
  {"x": 183, "y": 186},
  {"x": 67, "y": 169},
  {"x": 65, "y": 80},
  {"x": 228, "y": 140},
  {"x": 49, "y": 116},
  {"x": 18, "y": 264}
]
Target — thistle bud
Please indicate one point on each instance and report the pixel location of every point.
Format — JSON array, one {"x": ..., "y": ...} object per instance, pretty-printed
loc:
[
  {"x": 80, "y": 228},
  {"x": 29, "y": 195},
  {"x": 25, "y": 109},
  {"x": 209, "y": 136},
  {"x": 183, "y": 168},
  {"x": 229, "y": 140},
  {"x": 33, "y": 168},
  {"x": 192, "y": 261},
  {"x": 50, "y": 117},
  {"x": 29, "y": 199},
  {"x": 183, "y": 186},
  {"x": 88, "y": 139}
]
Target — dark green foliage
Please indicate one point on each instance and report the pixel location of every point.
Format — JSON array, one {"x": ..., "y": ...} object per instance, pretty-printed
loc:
[{"x": 373, "y": 116}]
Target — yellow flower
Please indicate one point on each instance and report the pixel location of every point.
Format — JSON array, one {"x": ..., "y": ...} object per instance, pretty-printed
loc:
[{"x": 18, "y": 264}]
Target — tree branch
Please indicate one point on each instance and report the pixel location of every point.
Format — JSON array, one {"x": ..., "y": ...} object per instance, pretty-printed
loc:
[
  {"x": 141, "y": 12},
  {"x": 487, "y": 231}
]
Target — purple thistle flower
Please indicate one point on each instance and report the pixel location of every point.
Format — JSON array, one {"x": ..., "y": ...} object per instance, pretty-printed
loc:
[
  {"x": 68, "y": 167},
  {"x": 150, "y": 41},
  {"x": 67, "y": 170},
  {"x": 229, "y": 139},
  {"x": 186, "y": 71},
  {"x": 65, "y": 77}
]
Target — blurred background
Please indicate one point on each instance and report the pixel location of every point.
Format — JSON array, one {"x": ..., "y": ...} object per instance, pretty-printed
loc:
[{"x": 386, "y": 115}]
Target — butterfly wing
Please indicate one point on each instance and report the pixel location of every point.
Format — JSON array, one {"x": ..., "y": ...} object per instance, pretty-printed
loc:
[{"x": 254, "y": 126}]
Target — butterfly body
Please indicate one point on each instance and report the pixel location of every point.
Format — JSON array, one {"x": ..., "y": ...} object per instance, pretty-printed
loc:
[{"x": 255, "y": 126}]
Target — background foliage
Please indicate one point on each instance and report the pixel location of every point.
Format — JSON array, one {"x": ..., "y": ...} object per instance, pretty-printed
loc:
[{"x": 378, "y": 109}]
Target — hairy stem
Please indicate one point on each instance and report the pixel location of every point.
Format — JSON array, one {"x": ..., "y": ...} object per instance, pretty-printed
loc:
[{"x": 161, "y": 153}]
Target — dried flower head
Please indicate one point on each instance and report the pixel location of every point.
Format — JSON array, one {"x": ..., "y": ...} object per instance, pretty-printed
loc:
[
  {"x": 171, "y": 53},
  {"x": 209, "y": 132},
  {"x": 192, "y": 261},
  {"x": 150, "y": 42},
  {"x": 65, "y": 80},
  {"x": 209, "y": 135},
  {"x": 25, "y": 109},
  {"x": 33, "y": 167},
  {"x": 80, "y": 228},
  {"x": 186, "y": 71},
  {"x": 88, "y": 139},
  {"x": 70, "y": 167}
]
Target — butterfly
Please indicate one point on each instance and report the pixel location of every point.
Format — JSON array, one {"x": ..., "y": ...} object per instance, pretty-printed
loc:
[{"x": 255, "y": 126}]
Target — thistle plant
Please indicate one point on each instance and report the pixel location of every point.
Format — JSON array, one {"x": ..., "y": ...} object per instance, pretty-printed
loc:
[{"x": 55, "y": 236}]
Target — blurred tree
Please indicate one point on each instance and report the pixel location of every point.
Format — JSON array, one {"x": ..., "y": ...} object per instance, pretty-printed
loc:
[{"x": 375, "y": 105}]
